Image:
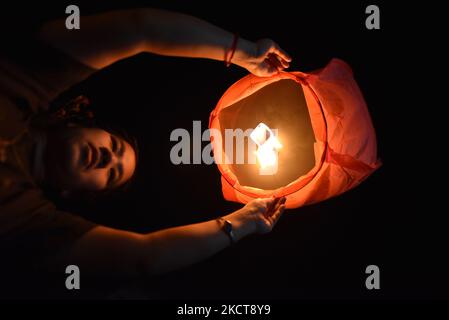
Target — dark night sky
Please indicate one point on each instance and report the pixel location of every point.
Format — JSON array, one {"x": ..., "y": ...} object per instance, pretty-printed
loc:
[{"x": 319, "y": 251}]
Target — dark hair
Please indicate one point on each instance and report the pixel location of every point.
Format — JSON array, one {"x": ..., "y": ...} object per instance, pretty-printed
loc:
[{"x": 78, "y": 112}]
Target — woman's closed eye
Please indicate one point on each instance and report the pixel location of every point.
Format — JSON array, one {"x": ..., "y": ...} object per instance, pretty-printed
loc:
[{"x": 114, "y": 144}]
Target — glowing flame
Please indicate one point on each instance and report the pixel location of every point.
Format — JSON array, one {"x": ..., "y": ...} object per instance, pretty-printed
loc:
[{"x": 268, "y": 146}]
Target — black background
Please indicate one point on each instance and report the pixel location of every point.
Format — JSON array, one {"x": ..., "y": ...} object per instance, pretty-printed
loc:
[{"x": 319, "y": 251}]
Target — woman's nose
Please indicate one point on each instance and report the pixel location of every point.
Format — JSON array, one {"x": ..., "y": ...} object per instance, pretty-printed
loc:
[{"x": 105, "y": 157}]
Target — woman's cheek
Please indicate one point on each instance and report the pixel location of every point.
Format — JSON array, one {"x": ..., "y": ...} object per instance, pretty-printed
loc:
[{"x": 91, "y": 180}]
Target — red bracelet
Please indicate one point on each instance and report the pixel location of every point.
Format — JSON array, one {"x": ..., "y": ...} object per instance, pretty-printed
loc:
[{"x": 232, "y": 50}]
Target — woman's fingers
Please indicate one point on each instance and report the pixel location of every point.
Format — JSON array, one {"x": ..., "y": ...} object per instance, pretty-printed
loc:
[
  {"x": 274, "y": 61},
  {"x": 273, "y": 58},
  {"x": 280, "y": 209},
  {"x": 264, "y": 205},
  {"x": 271, "y": 210},
  {"x": 278, "y": 60},
  {"x": 273, "y": 219},
  {"x": 283, "y": 200},
  {"x": 268, "y": 69},
  {"x": 284, "y": 63},
  {"x": 280, "y": 52},
  {"x": 277, "y": 214},
  {"x": 275, "y": 206}
]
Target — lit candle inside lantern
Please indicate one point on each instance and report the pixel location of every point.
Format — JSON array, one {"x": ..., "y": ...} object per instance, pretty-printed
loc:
[{"x": 268, "y": 146}]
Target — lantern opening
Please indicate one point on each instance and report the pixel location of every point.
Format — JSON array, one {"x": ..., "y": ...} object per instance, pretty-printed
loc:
[{"x": 279, "y": 115}]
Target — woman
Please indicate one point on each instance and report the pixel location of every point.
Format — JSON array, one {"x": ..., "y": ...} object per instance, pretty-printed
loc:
[{"x": 73, "y": 157}]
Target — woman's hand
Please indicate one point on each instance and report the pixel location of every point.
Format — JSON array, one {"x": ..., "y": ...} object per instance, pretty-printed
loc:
[
  {"x": 264, "y": 213},
  {"x": 257, "y": 216},
  {"x": 263, "y": 58}
]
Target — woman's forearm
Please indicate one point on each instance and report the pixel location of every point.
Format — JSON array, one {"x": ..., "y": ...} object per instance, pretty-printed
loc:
[
  {"x": 112, "y": 36},
  {"x": 182, "y": 246},
  {"x": 175, "y": 34},
  {"x": 109, "y": 251}
]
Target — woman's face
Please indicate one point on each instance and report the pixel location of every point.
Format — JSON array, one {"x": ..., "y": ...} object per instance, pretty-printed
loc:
[{"x": 89, "y": 159}]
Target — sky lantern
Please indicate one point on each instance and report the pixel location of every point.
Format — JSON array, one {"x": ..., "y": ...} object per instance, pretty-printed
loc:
[{"x": 308, "y": 136}]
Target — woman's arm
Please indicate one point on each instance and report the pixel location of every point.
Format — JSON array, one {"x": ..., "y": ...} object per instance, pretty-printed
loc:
[
  {"x": 115, "y": 252},
  {"x": 108, "y": 37}
]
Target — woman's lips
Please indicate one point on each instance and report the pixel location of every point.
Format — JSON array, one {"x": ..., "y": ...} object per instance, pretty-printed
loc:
[{"x": 92, "y": 156}]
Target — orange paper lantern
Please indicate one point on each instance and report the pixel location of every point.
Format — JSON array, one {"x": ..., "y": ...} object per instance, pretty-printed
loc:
[{"x": 329, "y": 142}]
